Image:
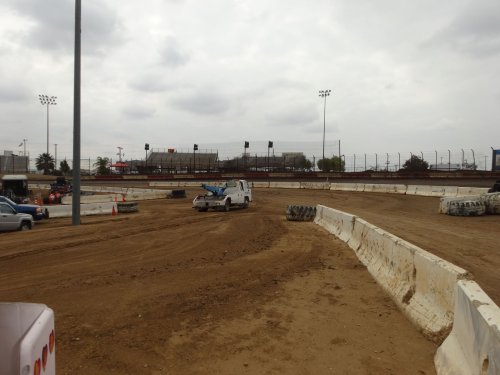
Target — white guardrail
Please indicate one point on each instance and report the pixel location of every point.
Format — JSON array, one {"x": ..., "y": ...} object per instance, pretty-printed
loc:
[{"x": 433, "y": 293}]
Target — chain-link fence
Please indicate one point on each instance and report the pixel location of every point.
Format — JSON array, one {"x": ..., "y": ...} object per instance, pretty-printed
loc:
[{"x": 258, "y": 156}]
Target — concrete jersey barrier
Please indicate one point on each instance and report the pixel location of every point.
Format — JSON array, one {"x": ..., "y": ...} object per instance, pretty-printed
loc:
[
  {"x": 336, "y": 222},
  {"x": 85, "y": 209},
  {"x": 421, "y": 284},
  {"x": 473, "y": 346}
]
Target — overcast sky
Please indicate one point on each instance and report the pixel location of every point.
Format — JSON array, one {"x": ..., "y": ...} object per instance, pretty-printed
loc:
[{"x": 405, "y": 76}]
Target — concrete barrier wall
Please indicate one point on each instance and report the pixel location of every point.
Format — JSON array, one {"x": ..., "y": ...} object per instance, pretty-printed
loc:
[
  {"x": 464, "y": 191},
  {"x": 40, "y": 186},
  {"x": 344, "y": 187},
  {"x": 284, "y": 185},
  {"x": 85, "y": 209},
  {"x": 473, "y": 347},
  {"x": 259, "y": 184},
  {"x": 315, "y": 185},
  {"x": 165, "y": 183},
  {"x": 336, "y": 222},
  {"x": 421, "y": 284},
  {"x": 120, "y": 197}
]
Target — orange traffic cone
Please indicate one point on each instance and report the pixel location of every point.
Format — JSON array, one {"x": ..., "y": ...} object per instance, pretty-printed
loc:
[{"x": 113, "y": 211}]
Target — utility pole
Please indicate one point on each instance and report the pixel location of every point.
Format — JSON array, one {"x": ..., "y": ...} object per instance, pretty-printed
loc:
[
  {"x": 75, "y": 211},
  {"x": 55, "y": 156}
]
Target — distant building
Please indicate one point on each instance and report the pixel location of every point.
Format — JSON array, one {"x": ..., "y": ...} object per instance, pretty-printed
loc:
[{"x": 11, "y": 163}]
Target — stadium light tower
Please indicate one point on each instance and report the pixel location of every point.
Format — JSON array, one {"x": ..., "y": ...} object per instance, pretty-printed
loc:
[
  {"x": 47, "y": 100},
  {"x": 324, "y": 94}
]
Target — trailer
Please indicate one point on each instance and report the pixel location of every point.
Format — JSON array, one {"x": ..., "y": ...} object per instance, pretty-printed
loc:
[
  {"x": 232, "y": 193},
  {"x": 15, "y": 187}
]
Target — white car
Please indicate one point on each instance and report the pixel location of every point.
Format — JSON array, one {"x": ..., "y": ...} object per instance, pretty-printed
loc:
[{"x": 10, "y": 219}]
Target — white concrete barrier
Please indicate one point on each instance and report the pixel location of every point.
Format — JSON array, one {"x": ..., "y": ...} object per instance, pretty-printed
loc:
[
  {"x": 98, "y": 198},
  {"x": 65, "y": 210},
  {"x": 411, "y": 189},
  {"x": 284, "y": 185},
  {"x": 121, "y": 197},
  {"x": 465, "y": 191},
  {"x": 430, "y": 191},
  {"x": 27, "y": 341},
  {"x": 336, "y": 222},
  {"x": 360, "y": 187},
  {"x": 259, "y": 184},
  {"x": 164, "y": 183},
  {"x": 450, "y": 191},
  {"x": 421, "y": 284},
  {"x": 40, "y": 186},
  {"x": 368, "y": 188},
  {"x": 388, "y": 188},
  {"x": 473, "y": 346},
  {"x": 315, "y": 185},
  {"x": 344, "y": 186}
]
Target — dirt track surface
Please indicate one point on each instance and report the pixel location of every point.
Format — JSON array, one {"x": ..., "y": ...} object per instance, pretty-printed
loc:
[{"x": 172, "y": 291}]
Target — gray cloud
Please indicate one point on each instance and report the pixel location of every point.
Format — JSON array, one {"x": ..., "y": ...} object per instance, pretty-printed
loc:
[
  {"x": 138, "y": 113},
  {"x": 475, "y": 31},
  {"x": 150, "y": 84},
  {"x": 203, "y": 103},
  {"x": 294, "y": 117},
  {"x": 52, "y": 25},
  {"x": 172, "y": 54},
  {"x": 13, "y": 93}
]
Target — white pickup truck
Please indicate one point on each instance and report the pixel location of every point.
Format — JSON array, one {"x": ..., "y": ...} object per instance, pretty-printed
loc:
[{"x": 224, "y": 196}]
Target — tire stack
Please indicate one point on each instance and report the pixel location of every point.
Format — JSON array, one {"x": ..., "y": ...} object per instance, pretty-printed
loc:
[
  {"x": 466, "y": 207},
  {"x": 471, "y": 206},
  {"x": 300, "y": 213},
  {"x": 492, "y": 203}
]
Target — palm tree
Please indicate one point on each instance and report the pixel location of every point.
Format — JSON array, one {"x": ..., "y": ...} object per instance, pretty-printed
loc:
[{"x": 45, "y": 162}]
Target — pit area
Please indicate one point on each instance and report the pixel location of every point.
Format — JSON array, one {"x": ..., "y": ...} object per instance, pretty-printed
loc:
[{"x": 169, "y": 290}]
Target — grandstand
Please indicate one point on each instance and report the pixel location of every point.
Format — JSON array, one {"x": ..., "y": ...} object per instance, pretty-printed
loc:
[{"x": 178, "y": 162}]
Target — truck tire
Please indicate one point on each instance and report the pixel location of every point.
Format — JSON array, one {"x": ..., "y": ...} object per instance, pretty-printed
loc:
[
  {"x": 492, "y": 203},
  {"x": 466, "y": 207},
  {"x": 300, "y": 213},
  {"x": 25, "y": 225},
  {"x": 227, "y": 205}
]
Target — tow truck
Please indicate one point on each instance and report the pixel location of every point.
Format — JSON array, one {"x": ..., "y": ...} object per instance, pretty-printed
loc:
[{"x": 227, "y": 194}]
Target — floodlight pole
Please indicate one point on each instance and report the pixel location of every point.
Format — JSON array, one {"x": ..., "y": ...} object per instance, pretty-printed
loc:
[
  {"x": 75, "y": 214},
  {"x": 324, "y": 94},
  {"x": 47, "y": 101}
]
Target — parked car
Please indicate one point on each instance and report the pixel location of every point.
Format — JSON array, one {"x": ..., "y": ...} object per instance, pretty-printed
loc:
[
  {"x": 34, "y": 210},
  {"x": 10, "y": 219}
]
